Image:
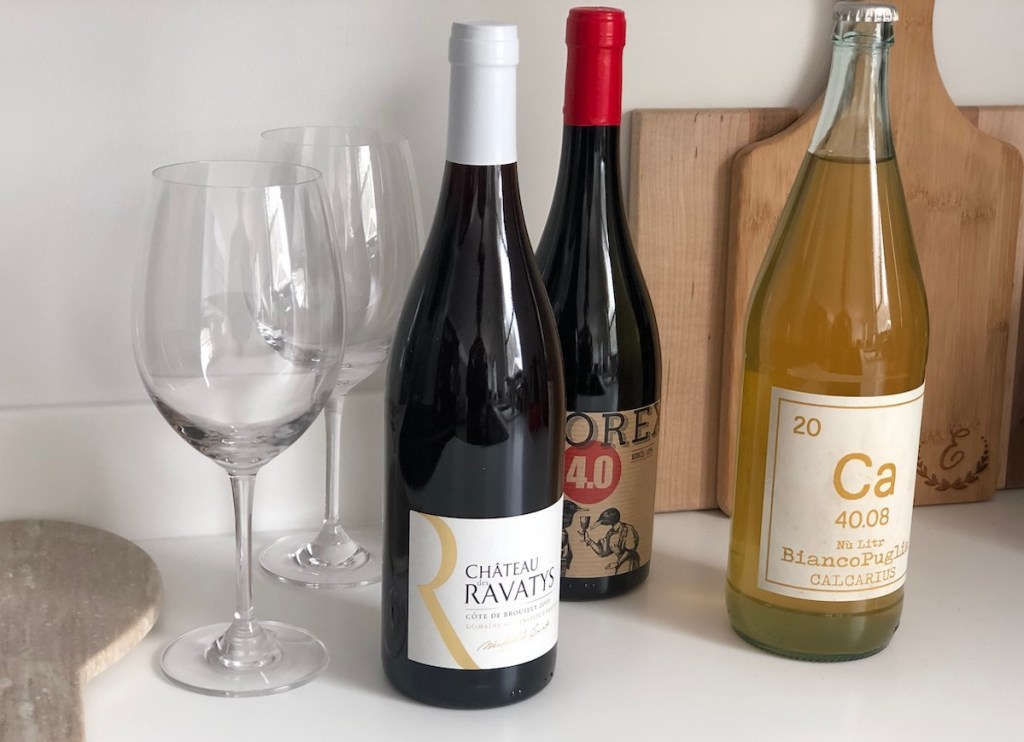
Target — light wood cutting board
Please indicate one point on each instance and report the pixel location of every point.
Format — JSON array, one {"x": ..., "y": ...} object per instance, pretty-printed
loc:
[
  {"x": 73, "y": 600},
  {"x": 1007, "y": 123},
  {"x": 963, "y": 190},
  {"x": 679, "y": 201}
]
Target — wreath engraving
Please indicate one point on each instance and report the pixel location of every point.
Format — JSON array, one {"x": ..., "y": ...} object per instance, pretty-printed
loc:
[{"x": 950, "y": 457}]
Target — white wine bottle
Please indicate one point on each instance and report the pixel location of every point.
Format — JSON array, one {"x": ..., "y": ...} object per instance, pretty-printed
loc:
[{"x": 833, "y": 383}]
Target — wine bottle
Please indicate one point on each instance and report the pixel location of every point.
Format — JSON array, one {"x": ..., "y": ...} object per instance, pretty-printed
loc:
[
  {"x": 833, "y": 384},
  {"x": 606, "y": 327},
  {"x": 475, "y": 421}
]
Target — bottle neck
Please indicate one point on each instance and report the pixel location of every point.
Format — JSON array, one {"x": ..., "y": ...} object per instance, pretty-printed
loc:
[
  {"x": 854, "y": 121},
  {"x": 589, "y": 166},
  {"x": 465, "y": 184},
  {"x": 480, "y": 204},
  {"x": 587, "y": 220},
  {"x": 482, "y": 115}
]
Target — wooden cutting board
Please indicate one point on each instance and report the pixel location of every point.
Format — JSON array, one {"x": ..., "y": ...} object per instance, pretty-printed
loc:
[
  {"x": 963, "y": 190},
  {"x": 1007, "y": 124},
  {"x": 679, "y": 201},
  {"x": 73, "y": 600}
]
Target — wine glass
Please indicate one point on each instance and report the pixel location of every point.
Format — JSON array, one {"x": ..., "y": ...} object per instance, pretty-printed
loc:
[
  {"x": 238, "y": 332},
  {"x": 584, "y": 524},
  {"x": 369, "y": 178}
]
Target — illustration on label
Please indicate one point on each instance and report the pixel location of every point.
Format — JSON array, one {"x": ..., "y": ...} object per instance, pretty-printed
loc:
[
  {"x": 610, "y": 466},
  {"x": 838, "y": 494},
  {"x": 483, "y": 592}
]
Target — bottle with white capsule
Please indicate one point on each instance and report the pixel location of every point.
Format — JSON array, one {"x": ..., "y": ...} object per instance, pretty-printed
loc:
[{"x": 475, "y": 421}]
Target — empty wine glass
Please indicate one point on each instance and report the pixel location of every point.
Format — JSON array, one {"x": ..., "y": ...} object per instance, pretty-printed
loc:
[
  {"x": 238, "y": 332},
  {"x": 371, "y": 188}
]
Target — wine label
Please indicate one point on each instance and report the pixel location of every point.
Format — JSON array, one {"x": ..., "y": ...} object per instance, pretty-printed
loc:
[
  {"x": 838, "y": 494},
  {"x": 611, "y": 460},
  {"x": 483, "y": 592}
]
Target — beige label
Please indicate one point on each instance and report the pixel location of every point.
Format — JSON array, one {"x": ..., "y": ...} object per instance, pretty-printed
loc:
[
  {"x": 610, "y": 465},
  {"x": 838, "y": 494}
]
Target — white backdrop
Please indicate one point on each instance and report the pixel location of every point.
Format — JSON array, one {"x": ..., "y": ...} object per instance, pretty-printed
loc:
[{"x": 95, "y": 94}]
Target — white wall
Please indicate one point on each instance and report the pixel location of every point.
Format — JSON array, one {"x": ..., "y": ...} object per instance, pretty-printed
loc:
[{"x": 95, "y": 94}]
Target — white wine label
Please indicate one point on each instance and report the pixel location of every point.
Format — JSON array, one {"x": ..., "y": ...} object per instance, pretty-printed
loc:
[
  {"x": 838, "y": 494},
  {"x": 611, "y": 460},
  {"x": 483, "y": 592}
]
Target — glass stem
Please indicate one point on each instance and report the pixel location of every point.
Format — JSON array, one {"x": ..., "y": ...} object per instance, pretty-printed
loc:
[
  {"x": 332, "y": 416},
  {"x": 245, "y": 645},
  {"x": 333, "y": 547},
  {"x": 242, "y": 489}
]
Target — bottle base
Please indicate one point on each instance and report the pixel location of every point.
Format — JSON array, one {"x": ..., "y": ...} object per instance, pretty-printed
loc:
[
  {"x": 805, "y": 656},
  {"x": 812, "y": 637},
  {"x": 470, "y": 689},
  {"x": 579, "y": 589}
]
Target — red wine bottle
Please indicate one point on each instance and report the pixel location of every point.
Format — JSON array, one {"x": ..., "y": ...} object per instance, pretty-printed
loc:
[
  {"x": 475, "y": 421},
  {"x": 606, "y": 327}
]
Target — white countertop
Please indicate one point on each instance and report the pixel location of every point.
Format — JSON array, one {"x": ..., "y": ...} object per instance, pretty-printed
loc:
[{"x": 660, "y": 663}]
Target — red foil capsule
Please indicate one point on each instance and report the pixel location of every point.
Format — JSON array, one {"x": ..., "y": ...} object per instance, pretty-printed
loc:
[{"x": 593, "y": 81}]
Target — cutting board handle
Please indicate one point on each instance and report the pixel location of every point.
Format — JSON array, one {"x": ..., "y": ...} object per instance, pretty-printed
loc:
[{"x": 913, "y": 62}]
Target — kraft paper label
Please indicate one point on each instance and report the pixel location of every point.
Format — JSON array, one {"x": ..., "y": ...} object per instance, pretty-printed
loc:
[{"x": 611, "y": 461}]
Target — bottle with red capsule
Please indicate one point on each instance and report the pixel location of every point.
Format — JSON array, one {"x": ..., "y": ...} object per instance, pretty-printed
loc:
[{"x": 606, "y": 326}]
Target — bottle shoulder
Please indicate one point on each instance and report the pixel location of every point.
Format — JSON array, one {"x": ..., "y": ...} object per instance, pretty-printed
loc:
[
  {"x": 840, "y": 289},
  {"x": 477, "y": 291}
]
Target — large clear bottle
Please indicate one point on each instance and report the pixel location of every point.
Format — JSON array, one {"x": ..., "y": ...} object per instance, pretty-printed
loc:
[
  {"x": 606, "y": 326},
  {"x": 475, "y": 422},
  {"x": 835, "y": 349}
]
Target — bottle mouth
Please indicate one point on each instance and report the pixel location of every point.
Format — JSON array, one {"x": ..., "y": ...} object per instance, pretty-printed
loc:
[
  {"x": 863, "y": 35},
  {"x": 484, "y": 43},
  {"x": 599, "y": 27}
]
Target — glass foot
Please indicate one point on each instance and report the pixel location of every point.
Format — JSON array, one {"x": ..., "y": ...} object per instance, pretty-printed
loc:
[
  {"x": 352, "y": 564},
  {"x": 194, "y": 661}
]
